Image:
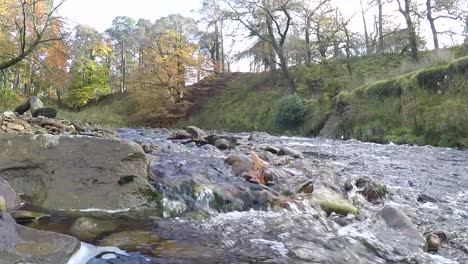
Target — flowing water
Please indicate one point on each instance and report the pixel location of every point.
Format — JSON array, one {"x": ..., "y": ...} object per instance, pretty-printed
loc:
[{"x": 244, "y": 232}]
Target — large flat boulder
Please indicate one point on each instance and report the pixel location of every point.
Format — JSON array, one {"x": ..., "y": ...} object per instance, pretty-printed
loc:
[
  {"x": 76, "y": 172},
  {"x": 9, "y": 195},
  {"x": 19, "y": 244}
]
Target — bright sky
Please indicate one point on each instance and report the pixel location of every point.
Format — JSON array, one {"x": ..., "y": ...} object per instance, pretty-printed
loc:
[{"x": 100, "y": 13}]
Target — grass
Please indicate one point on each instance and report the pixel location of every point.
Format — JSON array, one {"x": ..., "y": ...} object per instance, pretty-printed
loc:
[
  {"x": 426, "y": 107},
  {"x": 115, "y": 114}
]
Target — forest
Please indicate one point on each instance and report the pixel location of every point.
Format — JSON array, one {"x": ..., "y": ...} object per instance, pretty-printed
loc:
[{"x": 43, "y": 54}]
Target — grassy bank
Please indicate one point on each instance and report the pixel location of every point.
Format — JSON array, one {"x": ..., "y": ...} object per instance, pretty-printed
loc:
[{"x": 428, "y": 106}]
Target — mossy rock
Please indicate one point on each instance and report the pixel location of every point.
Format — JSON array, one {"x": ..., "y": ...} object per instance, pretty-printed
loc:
[
  {"x": 332, "y": 202},
  {"x": 26, "y": 216},
  {"x": 459, "y": 66},
  {"x": 3, "y": 207}
]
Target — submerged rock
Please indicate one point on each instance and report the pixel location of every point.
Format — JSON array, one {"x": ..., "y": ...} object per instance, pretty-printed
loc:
[
  {"x": 26, "y": 216},
  {"x": 19, "y": 244},
  {"x": 72, "y": 172},
  {"x": 287, "y": 151},
  {"x": 425, "y": 198},
  {"x": 88, "y": 229}
]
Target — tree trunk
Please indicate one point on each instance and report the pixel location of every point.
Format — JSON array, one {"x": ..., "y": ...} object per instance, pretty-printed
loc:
[
  {"x": 380, "y": 22},
  {"x": 410, "y": 27},
  {"x": 308, "y": 58},
  {"x": 431, "y": 22},
  {"x": 366, "y": 34}
]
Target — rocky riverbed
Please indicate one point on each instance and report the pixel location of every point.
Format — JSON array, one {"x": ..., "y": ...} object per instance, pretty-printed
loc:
[{"x": 163, "y": 196}]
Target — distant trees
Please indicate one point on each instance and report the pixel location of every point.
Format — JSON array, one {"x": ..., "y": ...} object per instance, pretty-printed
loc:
[{"x": 153, "y": 60}]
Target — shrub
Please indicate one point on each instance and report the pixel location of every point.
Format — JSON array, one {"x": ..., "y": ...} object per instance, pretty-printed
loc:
[
  {"x": 290, "y": 111},
  {"x": 8, "y": 99}
]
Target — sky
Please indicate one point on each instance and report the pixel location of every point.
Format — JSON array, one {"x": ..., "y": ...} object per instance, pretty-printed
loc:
[{"x": 100, "y": 13}]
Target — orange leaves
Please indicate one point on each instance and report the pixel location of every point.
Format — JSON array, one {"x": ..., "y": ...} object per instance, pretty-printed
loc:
[{"x": 256, "y": 174}]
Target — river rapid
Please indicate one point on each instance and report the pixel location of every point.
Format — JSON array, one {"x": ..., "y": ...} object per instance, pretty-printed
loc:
[{"x": 428, "y": 184}]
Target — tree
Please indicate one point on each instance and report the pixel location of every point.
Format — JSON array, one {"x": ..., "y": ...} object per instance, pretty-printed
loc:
[
  {"x": 443, "y": 9},
  {"x": 407, "y": 11},
  {"x": 278, "y": 20},
  {"x": 90, "y": 67},
  {"x": 120, "y": 33},
  {"x": 307, "y": 13},
  {"x": 215, "y": 18},
  {"x": 34, "y": 19}
]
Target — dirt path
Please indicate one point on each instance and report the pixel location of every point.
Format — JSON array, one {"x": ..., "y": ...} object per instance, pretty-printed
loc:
[{"x": 194, "y": 98}]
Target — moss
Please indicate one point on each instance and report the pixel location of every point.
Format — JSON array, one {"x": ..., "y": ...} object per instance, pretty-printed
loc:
[
  {"x": 459, "y": 66},
  {"x": 332, "y": 202}
]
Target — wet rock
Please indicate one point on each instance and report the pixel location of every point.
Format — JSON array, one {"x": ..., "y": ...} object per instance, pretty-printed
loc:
[
  {"x": 255, "y": 136},
  {"x": 441, "y": 234},
  {"x": 398, "y": 220},
  {"x": 425, "y": 198},
  {"x": 151, "y": 243},
  {"x": 9, "y": 195},
  {"x": 180, "y": 134},
  {"x": 332, "y": 202},
  {"x": 306, "y": 187},
  {"x": 19, "y": 244},
  {"x": 271, "y": 149},
  {"x": 3, "y": 206},
  {"x": 237, "y": 158},
  {"x": 433, "y": 242},
  {"x": 372, "y": 190},
  {"x": 46, "y": 112},
  {"x": 196, "y": 133},
  {"x": 281, "y": 161},
  {"x": 88, "y": 229},
  {"x": 222, "y": 144},
  {"x": 26, "y": 216},
  {"x": 287, "y": 151},
  {"x": 69, "y": 172}
]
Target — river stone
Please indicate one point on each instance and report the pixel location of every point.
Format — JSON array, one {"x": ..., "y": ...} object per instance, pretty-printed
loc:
[
  {"x": 19, "y": 244},
  {"x": 9, "y": 114},
  {"x": 332, "y": 202},
  {"x": 306, "y": 187},
  {"x": 3, "y": 206},
  {"x": 180, "y": 134},
  {"x": 433, "y": 242},
  {"x": 26, "y": 216},
  {"x": 47, "y": 112},
  {"x": 9, "y": 195},
  {"x": 222, "y": 144},
  {"x": 76, "y": 172},
  {"x": 16, "y": 127},
  {"x": 287, "y": 151},
  {"x": 399, "y": 221},
  {"x": 35, "y": 104},
  {"x": 196, "y": 133},
  {"x": 88, "y": 229}
]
